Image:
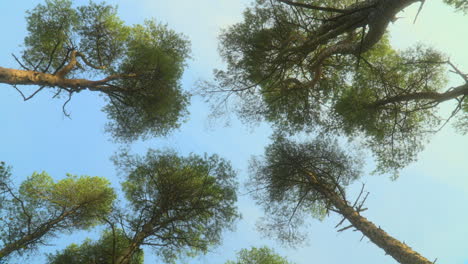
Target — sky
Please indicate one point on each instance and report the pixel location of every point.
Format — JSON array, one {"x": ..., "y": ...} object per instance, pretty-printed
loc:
[{"x": 427, "y": 207}]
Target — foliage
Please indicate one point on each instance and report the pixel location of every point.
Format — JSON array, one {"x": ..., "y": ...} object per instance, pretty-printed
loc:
[
  {"x": 263, "y": 255},
  {"x": 178, "y": 205},
  {"x": 41, "y": 208},
  {"x": 280, "y": 183},
  {"x": 139, "y": 66},
  {"x": 286, "y": 69},
  {"x": 103, "y": 251},
  {"x": 157, "y": 55},
  {"x": 458, "y": 4}
]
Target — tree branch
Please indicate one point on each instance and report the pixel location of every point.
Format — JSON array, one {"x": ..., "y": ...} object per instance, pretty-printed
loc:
[{"x": 313, "y": 7}]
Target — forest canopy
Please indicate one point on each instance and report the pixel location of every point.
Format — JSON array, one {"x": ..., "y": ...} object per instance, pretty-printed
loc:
[{"x": 329, "y": 68}]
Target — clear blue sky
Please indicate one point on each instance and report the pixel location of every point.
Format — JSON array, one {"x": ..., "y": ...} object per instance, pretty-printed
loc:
[{"x": 427, "y": 207}]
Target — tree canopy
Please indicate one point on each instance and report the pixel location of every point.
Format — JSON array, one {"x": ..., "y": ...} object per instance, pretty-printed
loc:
[
  {"x": 263, "y": 255},
  {"x": 41, "y": 208},
  {"x": 319, "y": 69},
  {"x": 103, "y": 251},
  {"x": 178, "y": 205},
  {"x": 296, "y": 180},
  {"x": 279, "y": 183},
  {"x": 328, "y": 67},
  {"x": 88, "y": 48}
]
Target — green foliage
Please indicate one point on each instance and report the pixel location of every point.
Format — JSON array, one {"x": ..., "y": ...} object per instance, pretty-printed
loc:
[
  {"x": 42, "y": 207},
  {"x": 395, "y": 131},
  {"x": 157, "y": 55},
  {"x": 276, "y": 68},
  {"x": 280, "y": 183},
  {"x": 86, "y": 198},
  {"x": 104, "y": 251},
  {"x": 263, "y": 255},
  {"x": 5, "y": 175},
  {"x": 458, "y": 4},
  {"x": 50, "y": 26},
  {"x": 101, "y": 33},
  {"x": 139, "y": 66},
  {"x": 183, "y": 204}
]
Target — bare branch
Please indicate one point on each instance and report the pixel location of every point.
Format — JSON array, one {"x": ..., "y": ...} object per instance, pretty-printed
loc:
[
  {"x": 19, "y": 62},
  {"x": 344, "y": 228},
  {"x": 65, "y": 104},
  {"x": 313, "y": 7}
]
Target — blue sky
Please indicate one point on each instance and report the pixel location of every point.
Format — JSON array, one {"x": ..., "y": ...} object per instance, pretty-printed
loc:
[{"x": 427, "y": 207}]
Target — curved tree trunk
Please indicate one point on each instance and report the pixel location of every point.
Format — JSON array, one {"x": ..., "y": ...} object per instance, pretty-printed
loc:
[{"x": 393, "y": 247}]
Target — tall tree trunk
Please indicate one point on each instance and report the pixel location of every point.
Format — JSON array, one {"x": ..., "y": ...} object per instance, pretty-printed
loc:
[{"x": 393, "y": 247}]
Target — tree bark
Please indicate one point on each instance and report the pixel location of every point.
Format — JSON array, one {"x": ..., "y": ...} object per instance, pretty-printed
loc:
[
  {"x": 22, "y": 77},
  {"x": 34, "y": 236},
  {"x": 434, "y": 96},
  {"x": 393, "y": 247},
  {"x": 126, "y": 256}
]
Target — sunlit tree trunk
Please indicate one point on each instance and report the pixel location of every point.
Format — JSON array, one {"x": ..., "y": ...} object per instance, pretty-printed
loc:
[{"x": 393, "y": 247}]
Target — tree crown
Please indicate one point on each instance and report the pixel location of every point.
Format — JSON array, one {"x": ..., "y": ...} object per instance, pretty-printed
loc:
[
  {"x": 263, "y": 255},
  {"x": 181, "y": 205},
  {"x": 137, "y": 68}
]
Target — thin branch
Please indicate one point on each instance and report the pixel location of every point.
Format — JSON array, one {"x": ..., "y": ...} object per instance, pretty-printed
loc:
[
  {"x": 65, "y": 104},
  {"x": 419, "y": 10},
  {"x": 19, "y": 62},
  {"x": 19, "y": 91},
  {"x": 51, "y": 57},
  {"x": 454, "y": 112},
  {"x": 83, "y": 57},
  {"x": 457, "y": 71},
  {"x": 313, "y": 7},
  {"x": 344, "y": 228},
  {"x": 297, "y": 206},
  {"x": 359, "y": 196}
]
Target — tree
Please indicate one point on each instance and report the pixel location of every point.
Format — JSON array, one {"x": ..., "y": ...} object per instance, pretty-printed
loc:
[
  {"x": 263, "y": 255},
  {"x": 41, "y": 208},
  {"x": 178, "y": 205},
  {"x": 327, "y": 66},
  {"x": 103, "y": 251},
  {"x": 295, "y": 180},
  {"x": 136, "y": 68}
]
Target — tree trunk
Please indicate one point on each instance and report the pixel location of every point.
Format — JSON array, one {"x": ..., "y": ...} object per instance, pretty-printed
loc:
[
  {"x": 393, "y": 247},
  {"x": 22, "y": 77},
  {"x": 419, "y": 96},
  {"x": 126, "y": 256},
  {"x": 34, "y": 236}
]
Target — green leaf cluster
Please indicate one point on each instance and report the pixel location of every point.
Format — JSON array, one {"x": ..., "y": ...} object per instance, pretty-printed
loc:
[
  {"x": 183, "y": 202},
  {"x": 103, "y": 251},
  {"x": 142, "y": 64},
  {"x": 157, "y": 55},
  {"x": 461, "y": 5},
  {"x": 263, "y": 255},
  {"x": 280, "y": 182},
  {"x": 41, "y": 208},
  {"x": 272, "y": 68}
]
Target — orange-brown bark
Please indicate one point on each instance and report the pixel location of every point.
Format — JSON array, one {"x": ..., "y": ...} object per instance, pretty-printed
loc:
[{"x": 23, "y": 77}]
